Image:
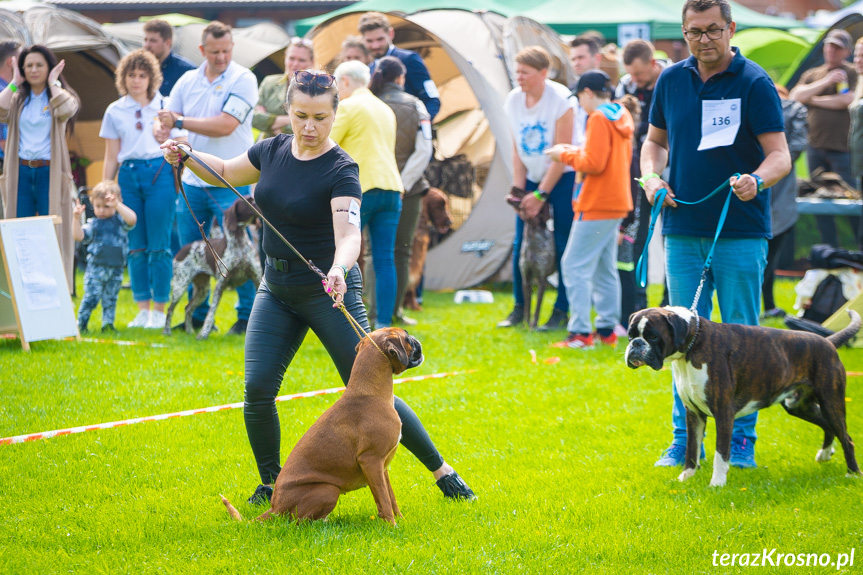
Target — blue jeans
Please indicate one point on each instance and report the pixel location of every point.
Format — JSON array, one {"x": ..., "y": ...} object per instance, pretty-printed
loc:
[
  {"x": 561, "y": 210},
  {"x": 736, "y": 274},
  {"x": 209, "y": 203},
  {"x": 380, "y": 212},
  {"x": 33, "y": 191},
  {"x": 148, "y": 190}
]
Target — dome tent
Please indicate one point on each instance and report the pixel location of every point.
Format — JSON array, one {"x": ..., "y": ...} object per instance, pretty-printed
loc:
[{"x": 469, "y": 56}]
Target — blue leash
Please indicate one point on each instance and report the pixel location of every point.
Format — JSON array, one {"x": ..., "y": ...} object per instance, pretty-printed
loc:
[{"x": 641, "y": 268}]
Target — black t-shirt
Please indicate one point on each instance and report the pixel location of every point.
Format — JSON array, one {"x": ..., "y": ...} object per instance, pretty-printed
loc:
[{"x": 294, "y": 195}]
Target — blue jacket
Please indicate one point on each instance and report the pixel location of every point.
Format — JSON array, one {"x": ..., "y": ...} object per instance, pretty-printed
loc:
[{"x": 415, "y": 79}]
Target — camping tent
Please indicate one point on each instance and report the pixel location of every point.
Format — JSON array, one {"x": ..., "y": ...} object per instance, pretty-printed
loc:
[
  {"x": 467, "y": 54},
  {"x": 773, "y": 50},
  {"x": 260, "y": 46},
  {"x": 852, "y": 22},
  {"x": 826, "y": 19},
  {"x": 663, "y": 17}
]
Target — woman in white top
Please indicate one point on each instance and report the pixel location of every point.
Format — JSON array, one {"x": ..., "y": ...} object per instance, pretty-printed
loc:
[
  {"x": 37, "y": 104},
  {"x": 540, "y": 116},
  {"x": 146, "y": 181}
]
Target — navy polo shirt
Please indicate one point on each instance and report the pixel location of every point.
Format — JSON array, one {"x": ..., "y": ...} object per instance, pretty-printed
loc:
[
  {"x": 677, "y": 109},
  {"x": 172, "y": 68}
]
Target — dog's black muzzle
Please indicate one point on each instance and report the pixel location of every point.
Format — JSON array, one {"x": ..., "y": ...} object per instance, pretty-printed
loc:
[
  {"x": 416, "y": 352},
  {"x": 639, "y": 353}
]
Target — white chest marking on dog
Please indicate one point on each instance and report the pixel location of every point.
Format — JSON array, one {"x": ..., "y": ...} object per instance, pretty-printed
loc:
[
  {"x": 690, "y": 383},
  {"x": 720, "y": 471}
]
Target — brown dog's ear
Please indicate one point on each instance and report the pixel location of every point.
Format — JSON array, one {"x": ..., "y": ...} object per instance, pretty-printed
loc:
[
  {"x": 397, "y": 352},
  {"x": 231, "y": 218},
  {"x": 679, "y": 332}
]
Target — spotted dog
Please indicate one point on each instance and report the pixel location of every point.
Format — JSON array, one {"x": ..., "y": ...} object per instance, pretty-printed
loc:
[
  {"x": 727, "y": 371},
  {"x": 195, "y": 264}
]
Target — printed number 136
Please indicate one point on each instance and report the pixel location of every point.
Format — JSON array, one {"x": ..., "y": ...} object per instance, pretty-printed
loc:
[{"x": 722, "y": 121}]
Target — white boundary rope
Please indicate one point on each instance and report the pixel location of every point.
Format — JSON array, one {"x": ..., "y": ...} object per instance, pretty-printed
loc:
[{"x": 83, "y": 428}]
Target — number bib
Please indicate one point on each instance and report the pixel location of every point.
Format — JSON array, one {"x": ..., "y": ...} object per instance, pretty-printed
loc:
[{"x": 720, "y": 121}]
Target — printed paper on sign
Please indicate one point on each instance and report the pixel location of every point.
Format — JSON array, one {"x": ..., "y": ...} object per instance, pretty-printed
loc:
[{"x": 720, "y": 122}]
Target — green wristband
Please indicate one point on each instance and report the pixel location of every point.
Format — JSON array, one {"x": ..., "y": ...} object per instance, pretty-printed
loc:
[
  {"x": 643, "y": 179},
  {"x": 12, "y": 87}
]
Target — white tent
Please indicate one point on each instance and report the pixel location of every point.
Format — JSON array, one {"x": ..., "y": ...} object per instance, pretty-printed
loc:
[{"x": 470, "y": 56}]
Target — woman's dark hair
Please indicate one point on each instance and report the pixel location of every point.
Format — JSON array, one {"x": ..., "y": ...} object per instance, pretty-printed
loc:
[
  {"x": 24, "y": 89},
  {"x": 387, "y": 70},
  {"x": 311, "y": 89}
]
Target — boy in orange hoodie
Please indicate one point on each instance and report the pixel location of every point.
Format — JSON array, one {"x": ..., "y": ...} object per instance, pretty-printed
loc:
[{"x": 600, "y": 202}]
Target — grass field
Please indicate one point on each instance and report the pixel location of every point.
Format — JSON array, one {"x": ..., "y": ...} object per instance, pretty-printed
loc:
[{"x": 560, "y": 455}]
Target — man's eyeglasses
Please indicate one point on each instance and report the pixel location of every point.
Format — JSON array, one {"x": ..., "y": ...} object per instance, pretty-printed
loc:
[
  {"x": 305, "y": 78},
  {"x": 138, "y": 116},
  {"x": 712, "y": 33}
]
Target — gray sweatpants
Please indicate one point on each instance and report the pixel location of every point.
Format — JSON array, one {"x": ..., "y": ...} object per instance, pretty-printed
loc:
[{"x": 589, "y": 267}]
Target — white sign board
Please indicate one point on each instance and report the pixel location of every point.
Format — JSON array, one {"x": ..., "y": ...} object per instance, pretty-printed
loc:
[
  {"x": 628, "y": 32},
  {"x": 34, "y": 298}
]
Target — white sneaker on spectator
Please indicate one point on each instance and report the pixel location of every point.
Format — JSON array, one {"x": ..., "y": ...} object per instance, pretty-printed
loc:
[
  {"x": 141, "y": 320},
  {"x": 157, "y": 320}
]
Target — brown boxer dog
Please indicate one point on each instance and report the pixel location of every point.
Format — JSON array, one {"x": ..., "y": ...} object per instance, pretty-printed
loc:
[
  {"x": 353, "y": 442},
  {"x": 727, "y": 371}
]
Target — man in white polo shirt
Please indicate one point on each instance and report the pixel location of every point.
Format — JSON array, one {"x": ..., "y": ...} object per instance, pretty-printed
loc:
[{"x": 214, "y": 102}]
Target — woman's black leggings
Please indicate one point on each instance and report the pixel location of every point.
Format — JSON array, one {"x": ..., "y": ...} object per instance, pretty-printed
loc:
[{"x": 281, "y": 316}]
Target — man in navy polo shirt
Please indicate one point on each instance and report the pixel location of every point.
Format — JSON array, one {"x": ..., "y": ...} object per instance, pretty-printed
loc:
[
  {"x": 378, "y": 35},
  {"x": 158, "y": 39},
  {"x": 713, "y": 115}
]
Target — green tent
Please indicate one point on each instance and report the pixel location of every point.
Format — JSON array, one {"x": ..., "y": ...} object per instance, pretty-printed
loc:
[
  {"x": 663, "y": 17},
  {"x": 504, "y": 7},
  {"x": 773, "y": 50}
]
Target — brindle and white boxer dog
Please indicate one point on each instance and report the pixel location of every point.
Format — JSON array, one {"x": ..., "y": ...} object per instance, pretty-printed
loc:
[{"x": 727, "y": 371}]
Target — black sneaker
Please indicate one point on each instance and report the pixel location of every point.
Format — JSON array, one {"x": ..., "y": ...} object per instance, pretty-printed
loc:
[
  {"x": 515, "y": 317},
  {"x": 239, "y": 328},
  {"x": 109, "y": 328},
  {"x": 557, "y": 320},
  {"x": 196, "y": 324},
  {"x": 262, "y": 495},
  {"x": 454, "y": 487}
]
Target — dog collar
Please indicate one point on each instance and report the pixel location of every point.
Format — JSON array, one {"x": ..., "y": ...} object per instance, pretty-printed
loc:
[{"x": 695, "y": 335}]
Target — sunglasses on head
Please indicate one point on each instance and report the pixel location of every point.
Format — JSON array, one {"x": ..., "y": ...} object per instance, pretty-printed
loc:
[
  {"x": 297, "y": 41},
  {"x": 305, "y": 78},
  {"x": 138, "y": 116}
]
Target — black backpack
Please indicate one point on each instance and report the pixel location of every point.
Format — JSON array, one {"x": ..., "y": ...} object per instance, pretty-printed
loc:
[{"x": 826, "y": 300}]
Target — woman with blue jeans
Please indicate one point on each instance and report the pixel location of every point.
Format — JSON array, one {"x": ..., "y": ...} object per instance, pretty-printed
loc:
[{"x": 146, "y": 181}]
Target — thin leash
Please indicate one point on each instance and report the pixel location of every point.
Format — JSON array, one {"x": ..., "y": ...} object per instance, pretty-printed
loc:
[
  {"x": 186, "y": 153},
  {"x": 655, "y": 210}
]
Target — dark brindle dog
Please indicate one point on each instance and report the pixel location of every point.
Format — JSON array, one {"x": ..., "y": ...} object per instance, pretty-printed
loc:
[
  {"x": 537, "y": 258},
  {"x": 727, "y": 371},
  {"x": 195, "y": 264}
]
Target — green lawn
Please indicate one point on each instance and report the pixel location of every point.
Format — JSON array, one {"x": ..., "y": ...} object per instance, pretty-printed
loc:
[{"x": 560, "y": 455}]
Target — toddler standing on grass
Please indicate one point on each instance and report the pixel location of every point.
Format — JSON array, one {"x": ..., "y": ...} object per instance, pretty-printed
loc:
[{"x": 107, "y": 241}]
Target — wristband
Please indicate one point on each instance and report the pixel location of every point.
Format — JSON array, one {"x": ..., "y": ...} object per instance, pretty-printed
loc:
[
  {"x": 343, "y": 268},
  {"x": 12, "y": 87},
  {"x": 540, "y": 195},
  {"x": 643, "y": 179}
]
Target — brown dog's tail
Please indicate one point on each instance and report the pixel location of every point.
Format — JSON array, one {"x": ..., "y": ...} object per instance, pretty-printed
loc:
[
  {"x": 843, "y": 336},
  {"x": 232, "y": 511}
]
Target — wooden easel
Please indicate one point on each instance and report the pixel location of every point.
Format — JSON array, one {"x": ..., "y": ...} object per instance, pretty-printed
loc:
[{"x": 34, "y": 299}]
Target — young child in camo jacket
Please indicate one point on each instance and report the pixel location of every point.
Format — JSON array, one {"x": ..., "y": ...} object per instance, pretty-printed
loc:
[
  {"x": 600, "y": 202},
  {"x": 107, "y": 240}
]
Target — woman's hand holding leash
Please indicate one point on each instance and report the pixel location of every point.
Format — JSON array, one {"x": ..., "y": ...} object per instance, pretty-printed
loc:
[
  {"x": 335, "y": 285},
  {"x": 171, "y": 152}
]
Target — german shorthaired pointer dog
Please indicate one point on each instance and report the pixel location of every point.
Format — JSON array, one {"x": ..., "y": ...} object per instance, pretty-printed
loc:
[{"x": 195, "y": 264}]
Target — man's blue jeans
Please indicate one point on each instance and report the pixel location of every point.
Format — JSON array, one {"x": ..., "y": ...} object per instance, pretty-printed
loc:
[
  {"x": 560, "y": 198},
  {"x": 209, "y": 203},
  {"x": 380, "y": 211},
  {"x": 148, "y": 190},
  {"x": 736, "y": 275}
]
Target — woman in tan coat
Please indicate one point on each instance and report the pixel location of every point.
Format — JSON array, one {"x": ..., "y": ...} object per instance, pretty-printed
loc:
[{"x": 37, "y": 179}]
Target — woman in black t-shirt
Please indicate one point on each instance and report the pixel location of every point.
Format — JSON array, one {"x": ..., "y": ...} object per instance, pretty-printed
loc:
[{"x": 309, "y": 189}]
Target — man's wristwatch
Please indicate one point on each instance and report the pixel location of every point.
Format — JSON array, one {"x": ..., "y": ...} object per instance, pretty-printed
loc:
[
  {"x": 178, "y": 123},
  {"x": 758, "y": 181}
]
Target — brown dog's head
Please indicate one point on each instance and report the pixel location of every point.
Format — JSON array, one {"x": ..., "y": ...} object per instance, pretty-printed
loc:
[
  {"x": 655, "y": 334},
  {"x": 436, "y": 203},
  {"x": 240, "y": 215},
  {"x": 402, "y": 349}
]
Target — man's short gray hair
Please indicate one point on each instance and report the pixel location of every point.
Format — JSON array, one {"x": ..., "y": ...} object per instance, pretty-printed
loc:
[{"x": 355, "y": 71}]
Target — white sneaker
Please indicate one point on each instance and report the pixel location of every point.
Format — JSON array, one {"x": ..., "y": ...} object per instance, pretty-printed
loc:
[
  {"x": 157, "y": 320},
  {"x": 141, "y": 320}
]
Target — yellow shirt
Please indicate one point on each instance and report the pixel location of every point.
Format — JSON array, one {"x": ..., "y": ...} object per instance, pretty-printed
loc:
[{"x": 365, "y": 128}]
